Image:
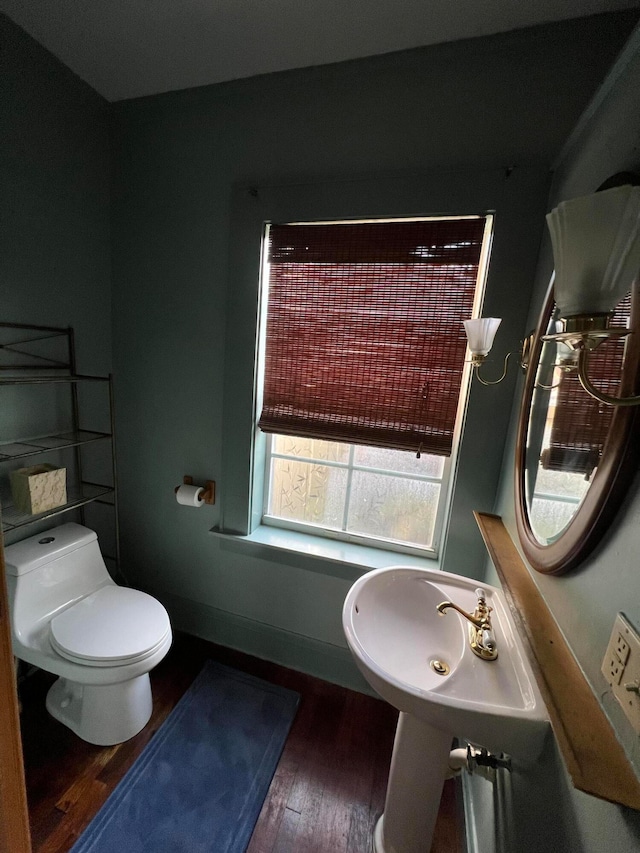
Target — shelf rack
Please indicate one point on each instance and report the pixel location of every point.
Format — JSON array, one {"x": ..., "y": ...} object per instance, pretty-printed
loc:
[{"x": 45, "y": 355}]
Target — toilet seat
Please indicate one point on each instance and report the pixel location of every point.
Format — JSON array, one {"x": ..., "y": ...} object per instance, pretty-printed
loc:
[{"x": 112, "y": 626}]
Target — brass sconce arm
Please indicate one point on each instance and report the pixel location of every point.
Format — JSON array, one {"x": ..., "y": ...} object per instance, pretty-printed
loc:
[
  {"x": 477, "y": 362},
  {"x": 583, "y": 361},
  {"x": 583, "y": 334}
]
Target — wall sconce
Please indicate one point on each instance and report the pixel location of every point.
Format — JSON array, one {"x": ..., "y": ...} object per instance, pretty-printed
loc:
[
  {"x": 596, "y": 249},
  {"x": 480, "y": 335}
]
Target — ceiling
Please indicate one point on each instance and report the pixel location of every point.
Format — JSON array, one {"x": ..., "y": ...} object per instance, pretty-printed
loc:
[{"x": 129, "y": 48}]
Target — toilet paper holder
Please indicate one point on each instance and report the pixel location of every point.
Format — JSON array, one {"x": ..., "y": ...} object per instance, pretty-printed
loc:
[{"x": 208, "y": 496}]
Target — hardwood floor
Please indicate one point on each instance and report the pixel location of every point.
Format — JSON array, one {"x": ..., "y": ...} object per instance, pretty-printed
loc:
[{"x": 325, "y": 797}]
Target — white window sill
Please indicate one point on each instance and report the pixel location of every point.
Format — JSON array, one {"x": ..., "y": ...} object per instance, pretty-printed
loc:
[{"x": 315, "y": 553}]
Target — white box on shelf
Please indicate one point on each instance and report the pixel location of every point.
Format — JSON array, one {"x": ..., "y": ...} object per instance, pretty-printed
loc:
[{"x": 38, "y": 488}]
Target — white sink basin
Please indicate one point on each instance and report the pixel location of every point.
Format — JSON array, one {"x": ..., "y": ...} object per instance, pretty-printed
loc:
[
  {"x": 399, "y": 641},
  {"x": 394, "y": 631}
]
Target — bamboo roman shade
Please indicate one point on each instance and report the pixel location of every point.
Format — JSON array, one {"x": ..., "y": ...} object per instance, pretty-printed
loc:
[
  {"x": 580, "y": 423},
  {"x": 364, "y": 335}
]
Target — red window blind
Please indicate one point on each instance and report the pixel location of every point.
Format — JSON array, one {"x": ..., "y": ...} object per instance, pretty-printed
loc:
[
  {"x": 580, "y": 423},
  {"x": 364, "y": 335}
]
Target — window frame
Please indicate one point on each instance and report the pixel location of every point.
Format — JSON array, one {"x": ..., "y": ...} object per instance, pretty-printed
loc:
[
  {"x": 450, "y": 462},
  {"x": 362, "y": 538},
  {"x": 517, "y": 198}
]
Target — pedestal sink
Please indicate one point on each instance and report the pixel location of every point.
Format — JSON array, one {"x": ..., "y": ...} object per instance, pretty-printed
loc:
[{"x": 421, "y": 662}]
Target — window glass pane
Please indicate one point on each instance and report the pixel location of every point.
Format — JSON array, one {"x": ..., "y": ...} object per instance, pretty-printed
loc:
[
  {"x": 402, "y": 461},
  {"x": 312, "y": 448},
  {"x": 307, "y": 492},
  {"x": 393, "y": 508},
  {"x": 551, "y": 517},
  {"x": 561, "y": 483}
]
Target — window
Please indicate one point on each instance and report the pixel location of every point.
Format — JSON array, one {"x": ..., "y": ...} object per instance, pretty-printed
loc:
[
  {"x": 363, "y": 365},
  {"x": 355, "y": 491}
]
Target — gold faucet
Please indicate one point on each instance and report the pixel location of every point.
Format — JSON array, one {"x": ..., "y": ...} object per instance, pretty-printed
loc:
[{"x": 481, "y": 637}]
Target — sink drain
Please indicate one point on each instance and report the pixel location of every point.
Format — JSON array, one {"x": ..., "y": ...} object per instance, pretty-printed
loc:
[{"x": 440, "y": 667}]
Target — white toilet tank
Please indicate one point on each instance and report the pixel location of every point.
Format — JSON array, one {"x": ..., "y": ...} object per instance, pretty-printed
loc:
[{"x": 51, "y": 570}]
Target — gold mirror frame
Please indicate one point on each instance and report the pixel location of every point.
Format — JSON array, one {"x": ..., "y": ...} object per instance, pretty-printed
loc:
[{"x": 614, "y": 473}]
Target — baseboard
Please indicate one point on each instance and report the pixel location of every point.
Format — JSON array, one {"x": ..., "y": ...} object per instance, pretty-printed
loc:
[{"x": 295, "y": 651}]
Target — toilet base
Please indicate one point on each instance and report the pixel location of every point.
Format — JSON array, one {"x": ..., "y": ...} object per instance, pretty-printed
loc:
[{"x": 102, "y": 714}]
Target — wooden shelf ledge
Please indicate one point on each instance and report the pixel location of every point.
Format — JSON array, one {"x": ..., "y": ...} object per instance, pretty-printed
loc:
[{"x": 593, "y": 755}]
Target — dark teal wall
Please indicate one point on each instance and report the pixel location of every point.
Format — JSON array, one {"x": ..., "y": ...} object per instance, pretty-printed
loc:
[
  {"x": 454, "y": 109},
  {"x": 463, "y": 109},
  {"x": 586, "y": 600},
  {"x": 469, "y": 107},
  {"x": 55, "y": 243},
  {"x": 55, "y": 248}
]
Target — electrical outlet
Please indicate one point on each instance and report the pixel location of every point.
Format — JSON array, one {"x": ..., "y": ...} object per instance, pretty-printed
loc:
[
  {"x": 622, "y": 649},
  {"x": 621, "y": 668},
  {"x": 612, "y": 668}
]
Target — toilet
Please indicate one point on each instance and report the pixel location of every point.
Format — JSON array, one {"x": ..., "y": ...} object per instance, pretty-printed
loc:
[{"x": 69, "y": 618}]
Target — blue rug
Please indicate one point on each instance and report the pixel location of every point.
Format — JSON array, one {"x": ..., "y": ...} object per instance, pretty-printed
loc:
[{"x": 199, "y": 785}]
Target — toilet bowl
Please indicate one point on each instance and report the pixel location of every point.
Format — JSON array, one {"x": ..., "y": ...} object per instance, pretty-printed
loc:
[{"x": 69, "y": 618}]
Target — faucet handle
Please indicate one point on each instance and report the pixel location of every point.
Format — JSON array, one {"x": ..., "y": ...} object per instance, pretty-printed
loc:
[{"x": 488, "y": 640}]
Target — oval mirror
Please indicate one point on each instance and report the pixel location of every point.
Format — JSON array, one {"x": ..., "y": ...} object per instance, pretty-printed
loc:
[{"x": 575, "y": 456}]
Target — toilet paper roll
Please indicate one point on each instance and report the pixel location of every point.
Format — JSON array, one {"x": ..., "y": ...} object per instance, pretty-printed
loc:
[{"x": 189, "y": 495}]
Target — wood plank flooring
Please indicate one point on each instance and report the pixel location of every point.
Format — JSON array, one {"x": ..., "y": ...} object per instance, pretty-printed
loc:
[{"x": 325, "y": 797}]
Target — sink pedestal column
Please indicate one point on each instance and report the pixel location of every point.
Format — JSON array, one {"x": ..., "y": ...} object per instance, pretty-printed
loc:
[{"x": 418, "y": 767}]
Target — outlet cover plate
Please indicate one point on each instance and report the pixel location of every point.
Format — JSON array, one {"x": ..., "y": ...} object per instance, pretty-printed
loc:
[{"x": 621, "y": 668}]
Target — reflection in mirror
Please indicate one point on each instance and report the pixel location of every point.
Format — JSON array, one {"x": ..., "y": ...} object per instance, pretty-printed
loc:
[
  {"x": 575, "y": 456},
  {"x": 567, "y": 429}
]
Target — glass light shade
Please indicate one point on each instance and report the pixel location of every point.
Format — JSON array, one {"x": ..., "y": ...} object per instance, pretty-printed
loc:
[
  {"x": 480, "y": 334},
  {"x": 596, "y": 249}
]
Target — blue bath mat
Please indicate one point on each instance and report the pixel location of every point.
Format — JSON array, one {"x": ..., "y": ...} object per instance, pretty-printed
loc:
[{"x": 198, "y": 786}]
